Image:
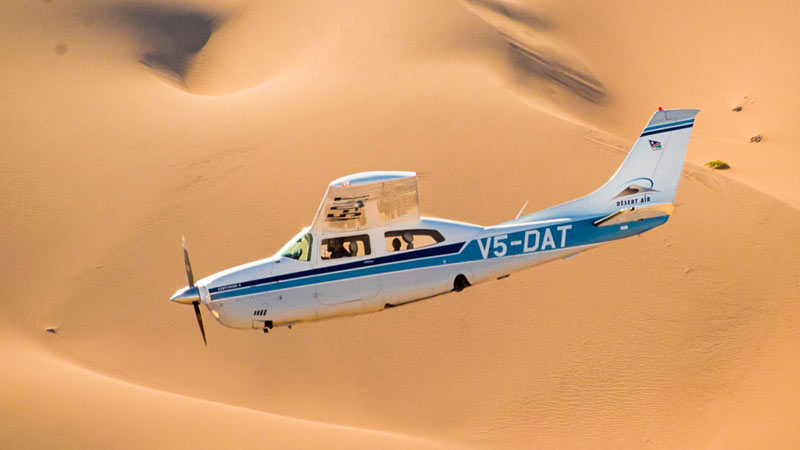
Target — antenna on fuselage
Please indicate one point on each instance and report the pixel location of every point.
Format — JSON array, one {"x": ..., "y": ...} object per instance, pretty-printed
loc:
[{"x": 521, "y": 209}]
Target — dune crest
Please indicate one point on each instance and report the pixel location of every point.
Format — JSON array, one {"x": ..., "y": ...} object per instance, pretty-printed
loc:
[
  {"x": 535, "y": 55},
  {"x": 78, "y": 401}
]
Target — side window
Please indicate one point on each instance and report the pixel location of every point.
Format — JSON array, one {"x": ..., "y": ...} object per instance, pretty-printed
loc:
[
  {"x": 399, "y": 240},
  {"x": 345, "y": 247}
]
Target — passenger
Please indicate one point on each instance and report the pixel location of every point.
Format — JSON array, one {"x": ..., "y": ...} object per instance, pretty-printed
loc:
[
  {"x": 409, "y": 238},
  {"x": 396, "y": 244},
  {"x": 338, "y": 249}
]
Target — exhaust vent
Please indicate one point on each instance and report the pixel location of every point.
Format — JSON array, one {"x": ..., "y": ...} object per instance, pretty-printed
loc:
[{"x": 260, "y": 312}]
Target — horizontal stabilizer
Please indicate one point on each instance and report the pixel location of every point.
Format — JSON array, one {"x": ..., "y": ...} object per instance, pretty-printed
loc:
[{"x": 633, "y": 214}]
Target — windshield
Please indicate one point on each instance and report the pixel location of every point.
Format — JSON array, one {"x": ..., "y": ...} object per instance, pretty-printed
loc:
[{"x": 298, "y": 247}]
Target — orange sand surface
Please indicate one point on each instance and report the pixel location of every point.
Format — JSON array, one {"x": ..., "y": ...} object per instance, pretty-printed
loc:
[{"x": 128, "y": 124}]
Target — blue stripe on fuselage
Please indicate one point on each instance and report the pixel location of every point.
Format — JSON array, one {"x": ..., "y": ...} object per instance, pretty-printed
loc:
[
  {"x": 578, "y": 233},
  {"x": 396, "y": 257}
]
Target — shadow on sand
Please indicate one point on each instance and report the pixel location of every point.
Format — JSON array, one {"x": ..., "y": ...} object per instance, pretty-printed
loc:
[
  {"x": 170, "y": 35},
  {"x": 535, "y": 55},
  {"x": 578, "y": 82}
]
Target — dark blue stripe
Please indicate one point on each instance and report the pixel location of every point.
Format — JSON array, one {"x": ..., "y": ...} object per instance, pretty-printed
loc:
[
  {"x": 667, "y": 125},
  {"x": 583, "y": 233},
  {"x": 667, "y": 130},
  {"x": 404, "y": 256}
]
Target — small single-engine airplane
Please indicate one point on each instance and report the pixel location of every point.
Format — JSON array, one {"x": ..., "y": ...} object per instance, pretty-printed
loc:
[{"x": 338, "y": 267}]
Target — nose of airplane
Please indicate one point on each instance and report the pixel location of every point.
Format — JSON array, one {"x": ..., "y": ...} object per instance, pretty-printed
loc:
[{"x": 186, "y": 296}]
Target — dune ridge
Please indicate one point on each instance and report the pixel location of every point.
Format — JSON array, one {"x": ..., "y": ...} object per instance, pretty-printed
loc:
[
  {"x": 52, "y": 383},
  {"x": 536, "y": 54}
]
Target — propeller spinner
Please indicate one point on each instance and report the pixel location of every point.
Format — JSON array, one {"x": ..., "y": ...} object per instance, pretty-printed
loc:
[{"x": 190, "y": 294}]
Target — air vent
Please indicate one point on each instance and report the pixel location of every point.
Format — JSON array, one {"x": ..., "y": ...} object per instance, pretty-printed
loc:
[{"x": 260, "y": 312}]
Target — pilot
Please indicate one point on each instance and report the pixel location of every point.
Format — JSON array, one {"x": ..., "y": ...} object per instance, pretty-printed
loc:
[
  {"x": 396, "y": 244},
  {"x": 338, "y": 249}
]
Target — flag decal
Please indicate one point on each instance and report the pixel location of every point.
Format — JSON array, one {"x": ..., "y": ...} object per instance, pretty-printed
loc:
[{"x": 655, "y": 145}]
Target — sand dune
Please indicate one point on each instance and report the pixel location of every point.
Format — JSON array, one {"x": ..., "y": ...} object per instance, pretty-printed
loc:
[
  {"x": 49, "y": 402},
  {"x": 130, "y": 124}
]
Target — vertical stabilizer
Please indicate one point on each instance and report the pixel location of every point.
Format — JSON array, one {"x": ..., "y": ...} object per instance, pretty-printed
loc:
[{"x": 648, "y": 176}]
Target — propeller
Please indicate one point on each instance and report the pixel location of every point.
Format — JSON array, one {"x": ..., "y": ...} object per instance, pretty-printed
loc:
[
  {"x": 186, "y": 262},
  {"x": 200, "y": 321},
  {"x": 190, "y": 294}
]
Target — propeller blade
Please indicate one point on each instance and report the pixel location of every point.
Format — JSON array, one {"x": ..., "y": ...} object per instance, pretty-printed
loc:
[
  {"x": 188, "y": 265},
  {"x": 200, "y": 321}
]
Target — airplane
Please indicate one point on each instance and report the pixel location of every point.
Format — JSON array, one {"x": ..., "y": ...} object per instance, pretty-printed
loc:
[{"x": 368, "y": 248}]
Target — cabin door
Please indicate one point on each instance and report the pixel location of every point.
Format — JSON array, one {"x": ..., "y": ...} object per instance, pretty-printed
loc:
[{"x": 346, "y": 282}]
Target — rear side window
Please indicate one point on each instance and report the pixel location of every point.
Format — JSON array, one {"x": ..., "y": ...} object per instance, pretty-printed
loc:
[
  {"x": 400, "y": 240},
  {"x": 345, "y": 247}
]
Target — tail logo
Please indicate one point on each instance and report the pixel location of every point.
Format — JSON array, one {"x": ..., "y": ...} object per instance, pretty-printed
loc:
[
  {"x": 639, "y": 189},
  {"x": 655, "y": 145}
]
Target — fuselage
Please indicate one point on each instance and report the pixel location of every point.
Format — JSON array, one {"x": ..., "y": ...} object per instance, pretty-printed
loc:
[{"x": 311, "y": 278}]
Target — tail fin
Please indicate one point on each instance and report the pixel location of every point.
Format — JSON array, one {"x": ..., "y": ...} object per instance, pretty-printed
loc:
[{"x": 648, "y": 176}]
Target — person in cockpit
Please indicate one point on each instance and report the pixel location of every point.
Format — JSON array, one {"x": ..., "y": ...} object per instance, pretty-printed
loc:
[{"x": 337, "y": 249}]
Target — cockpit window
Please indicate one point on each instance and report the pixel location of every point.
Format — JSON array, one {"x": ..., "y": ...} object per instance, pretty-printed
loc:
[
  {"x": 399, "y": 240},
  {"x": 345, "y": 247},
  {"x": 299, "y": 247}
]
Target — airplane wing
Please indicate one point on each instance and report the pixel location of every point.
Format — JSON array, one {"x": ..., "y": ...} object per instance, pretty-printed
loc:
[{"x": 368, "y": 200}]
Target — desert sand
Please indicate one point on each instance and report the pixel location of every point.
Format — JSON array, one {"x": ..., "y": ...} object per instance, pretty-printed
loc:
[{"x": 128, "y": 124}]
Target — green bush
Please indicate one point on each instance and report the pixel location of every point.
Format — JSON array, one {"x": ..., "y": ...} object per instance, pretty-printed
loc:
[{"x": 718, "y": 165}]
